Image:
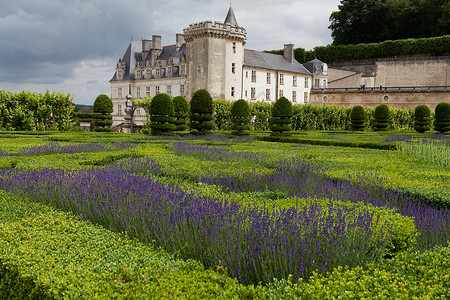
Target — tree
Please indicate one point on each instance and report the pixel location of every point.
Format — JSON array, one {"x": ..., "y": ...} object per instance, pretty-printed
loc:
[
  {"x": 181, "y": 115},
  {"x": 282, "y": 113},
  {"x": 381, "y": 115},
  {"x": 422, "y": 118},
  {"x": 442, "y": 117},
  {"x": 358, "y": 118},
  {"x": 103, "y": 104},
  {"x": 240, "y": 117},
  {"x": 201, "y": 112},
  {"x": 161, "y": 114}
]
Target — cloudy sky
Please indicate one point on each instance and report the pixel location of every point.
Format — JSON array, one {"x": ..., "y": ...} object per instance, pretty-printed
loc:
[{"x": 73, "y": 45}]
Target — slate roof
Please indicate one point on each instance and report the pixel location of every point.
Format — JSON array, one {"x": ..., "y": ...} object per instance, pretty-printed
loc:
[
  {"x": 271, "y": 61},
  {"x": 231, "y": 18}
]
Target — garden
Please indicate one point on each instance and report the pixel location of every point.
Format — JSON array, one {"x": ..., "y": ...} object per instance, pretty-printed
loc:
[{"x": 231, "y": 214}]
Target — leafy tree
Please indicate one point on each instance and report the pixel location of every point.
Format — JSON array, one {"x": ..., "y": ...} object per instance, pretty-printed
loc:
[
  {"x": 240, "y": 117},
  {"x": 181, "y": 113},
  {"x": 201, "y": 112},
  {"x": 282, "y": 113},
  {"x": 161, "y": 114},
  {"x": 442, "y": 117},
  {"x": 422, "y": 118},
  {"x": 103, "y": 104}
]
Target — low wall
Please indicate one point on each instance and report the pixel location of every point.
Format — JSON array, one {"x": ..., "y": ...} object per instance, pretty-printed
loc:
[{"x": 394, "y": 97}]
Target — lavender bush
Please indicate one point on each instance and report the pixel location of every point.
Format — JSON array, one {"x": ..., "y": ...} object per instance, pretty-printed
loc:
[
  {"x": 254, "y": 244},
  {"x": 303, "y": 180},
  {"x": 55, "y": 148},
  {"x": 216, "y": 153}
]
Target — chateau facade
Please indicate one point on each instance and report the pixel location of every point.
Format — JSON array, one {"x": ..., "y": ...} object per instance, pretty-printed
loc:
[{"x": 211, "y": 55}]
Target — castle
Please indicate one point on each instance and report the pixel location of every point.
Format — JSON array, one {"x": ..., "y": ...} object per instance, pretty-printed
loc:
[{"x": 211, "y": 55}]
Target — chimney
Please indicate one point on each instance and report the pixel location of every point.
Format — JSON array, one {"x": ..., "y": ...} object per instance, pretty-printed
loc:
[
  {"x": 146, "y": 46},
  {"x": 156, "y": 42},
  {"x": 289, "y": 52},
  {"x": 180, "y": 41}
]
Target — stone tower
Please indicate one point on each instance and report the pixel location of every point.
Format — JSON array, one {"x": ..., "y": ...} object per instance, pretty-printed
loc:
[{"x": 215, "y": 56}]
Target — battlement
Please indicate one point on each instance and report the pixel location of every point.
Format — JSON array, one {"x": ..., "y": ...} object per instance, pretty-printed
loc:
[{"x": 214, "y": 26}]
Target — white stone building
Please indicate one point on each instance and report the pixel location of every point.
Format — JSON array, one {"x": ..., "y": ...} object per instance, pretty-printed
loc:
[{"x": 211, "y": 55}]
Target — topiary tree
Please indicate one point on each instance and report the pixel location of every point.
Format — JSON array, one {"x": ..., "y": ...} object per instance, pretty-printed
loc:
[
  {"x": 201, "y": 112},
  {"x": 282, "y": 113},
  {"x": 442, "y": 117},
  {"x": 358, "y": 118},
  {"x": 422, "y": 118},
  {"x": 381, "y": 116},
  {"x": 102, "y": 105},
  {"x": 240, "y": 117},
  {"x": 181, "y": 115},
  {"x": 161, "y": 114}
]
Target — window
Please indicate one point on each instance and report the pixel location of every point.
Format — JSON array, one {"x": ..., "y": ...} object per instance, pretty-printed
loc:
[
  {"x": 138, "y": 92},
  {"x": 234, "y": 47},
  {"x": 246, "y": 74},
  {"x": 147, "y": 91},
  {"x": 281, "y": 79},
  {"x": 232, "y": 91},
  {"x": 169, "y": 71},
  {"x": 138, "y": 112},
  {"x": 157, "y": 73},
  {"x": 182, "y": 70},
  {"x": 268, "y": 78},
  {"x": 246, "y": 93},
  {"x": 199, "y": 70},
  {"x": 148, "y": 73},
  {"x": 157, "y": 89},
  {"x": 233, "y": 68},
  {"x": 305, "y": 97},
  {"x": 119, "y": 93},
  {"x": 119, "y": 110},
  {"x": 316, "y": 83},
  {"x": 306, "y": 82},
  {"x": 182, "y": 90},
  {"x": 268, "y": 93},
  {"x": 253, "y": 93},
  {"x": 169, "y": 90},
  {"x": 253, "y": 76},
  {"x": 294, "y": 80},
  {"x": 281, "y": 93},
  {"x": 294, "y": 96}
]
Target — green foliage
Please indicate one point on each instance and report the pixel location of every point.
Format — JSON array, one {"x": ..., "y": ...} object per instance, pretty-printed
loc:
[
  {"x": 422, "y": 118},
  {"x": 32, "y": 111},
  {"x": 161, "y": 114},
  {"x": 103, "y": 104},
  {"x": 201, "y": 113},
  {"x": 181, "y": 113},
  {"x": 432, "y": 152},
  {"x": 381, "y": 115},
  {"x": 222, "y": 114},
  {"x": 282, "y": 113},
  {"x": 442, "y": 117},
  {"x": 358, "y": 118},
  {"x": 261, "y": 113},
  {"x": 240, "y": 117}
]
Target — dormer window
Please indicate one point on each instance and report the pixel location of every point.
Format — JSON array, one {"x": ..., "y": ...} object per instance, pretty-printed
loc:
[
  {"x": 157, "y": 73},
  {"x": 169, "y": 71},
  {"x": 183, "y": 70}
]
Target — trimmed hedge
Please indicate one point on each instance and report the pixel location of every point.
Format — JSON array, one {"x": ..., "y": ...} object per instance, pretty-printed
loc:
[
  {"x": 240, "y": 117},
  {"x": 181, "y": 113},
  {"x": 422, "y": 118},
  {"x": 201, "y": 112},
  {"x": 282, "y": 113},
  {"x": 161, "y": 114},
  {"x": 442, "y": 117},
  {"x": 358, "y": 118},
  {"x": 381, "y": 118},
  {"x": 103, "y": 104}
]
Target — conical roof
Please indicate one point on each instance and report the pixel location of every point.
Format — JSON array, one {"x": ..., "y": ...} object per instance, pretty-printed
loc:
[{"x": 231, "y": 19}]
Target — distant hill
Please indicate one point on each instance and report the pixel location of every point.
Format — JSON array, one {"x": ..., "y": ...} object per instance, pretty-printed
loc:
[{"x": 81, "y": 108}]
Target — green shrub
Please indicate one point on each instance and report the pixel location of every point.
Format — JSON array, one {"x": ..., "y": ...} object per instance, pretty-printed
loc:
[
  {"x": 161, "y": 114},
  {"x": 442, "y": 117},
  {"x": 201, "y": 112},
  {"x": 181, "y": 113},
  {"x": 358, "y": 118},
  {"x": 422, "y": 118},
  {"x": 282, "y": 113},
  {"x": 222, "y": 114},
  {"x": 240, "y": 117},
  {"x": 103, "y": 104},
  {"x": 381, "y": 118}
]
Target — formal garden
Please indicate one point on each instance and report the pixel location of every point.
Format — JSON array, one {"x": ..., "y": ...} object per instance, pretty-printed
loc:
[{"x": 206, "y": 206}]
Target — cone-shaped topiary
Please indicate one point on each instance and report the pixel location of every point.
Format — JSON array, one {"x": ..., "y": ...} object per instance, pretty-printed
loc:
[
  {"x": 201, "y": 112},
  {"x": 422, "y": 118},
  {"x": 161, "y": 114},
  {"x": 103, "y": 104},
  {"x": 442, "y": 117},
  {"x": 282, "y": 113},
  {"x": 358, "y": 118},
  {"x": 240, "y": 117},
  {"x": 381, "y": 118},
  {"x": 181, "y": 115}
]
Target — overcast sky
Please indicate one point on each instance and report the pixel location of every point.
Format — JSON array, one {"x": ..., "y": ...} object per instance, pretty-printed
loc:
[{"x": 73, "y": 45}]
